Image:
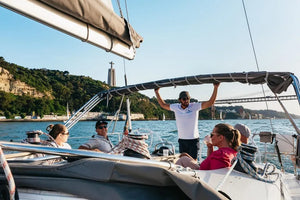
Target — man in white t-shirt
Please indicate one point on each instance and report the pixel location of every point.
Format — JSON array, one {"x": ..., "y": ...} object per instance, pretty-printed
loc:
[{"x": 186, "y": 115}]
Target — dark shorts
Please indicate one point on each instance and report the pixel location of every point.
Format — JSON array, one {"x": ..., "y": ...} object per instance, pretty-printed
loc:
[{"x": 189, "y": 146}]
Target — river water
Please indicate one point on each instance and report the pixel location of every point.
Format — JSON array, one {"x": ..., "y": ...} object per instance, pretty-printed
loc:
[{"x": 159, "y": 131}]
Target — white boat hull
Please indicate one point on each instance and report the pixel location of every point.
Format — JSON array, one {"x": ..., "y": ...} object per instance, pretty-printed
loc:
[{"x": 243, "y": 187}]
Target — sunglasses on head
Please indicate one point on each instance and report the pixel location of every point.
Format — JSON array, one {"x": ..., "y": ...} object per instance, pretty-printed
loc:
[
  {"x": 66, "y": 133},
  {"x": 101, "y": 127}
]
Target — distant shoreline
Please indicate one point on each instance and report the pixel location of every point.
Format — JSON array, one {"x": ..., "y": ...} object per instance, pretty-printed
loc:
[
  {"x": 32, "y": 120},
  {"x": 57, "y": 120}
]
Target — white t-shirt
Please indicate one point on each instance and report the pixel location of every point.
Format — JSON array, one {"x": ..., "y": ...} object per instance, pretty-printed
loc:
[{"x": 187, "y": 120}]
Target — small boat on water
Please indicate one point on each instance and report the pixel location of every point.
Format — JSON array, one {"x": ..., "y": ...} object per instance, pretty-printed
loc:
[{"x": 35, "y": 171}]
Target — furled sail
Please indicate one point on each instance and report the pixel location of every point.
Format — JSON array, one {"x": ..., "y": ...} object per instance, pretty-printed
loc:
[
  {"x": 91, "y": 21},
  {"x": 277, "y": 82}
]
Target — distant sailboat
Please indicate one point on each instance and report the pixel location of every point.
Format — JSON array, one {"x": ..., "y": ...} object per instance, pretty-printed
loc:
[
  {"x": 163, "y": 117},
  {"x": 68, "y": 113},
  {"x": 221, "y": 115}
]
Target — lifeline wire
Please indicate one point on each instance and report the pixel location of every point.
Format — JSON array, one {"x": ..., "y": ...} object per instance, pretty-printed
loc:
[{"x": 254, "y": 53}]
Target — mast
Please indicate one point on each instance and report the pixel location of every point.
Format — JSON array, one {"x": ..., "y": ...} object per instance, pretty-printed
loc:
[
  {"x": 128, "y": 126},
  {"x": 68, "y": 112}
]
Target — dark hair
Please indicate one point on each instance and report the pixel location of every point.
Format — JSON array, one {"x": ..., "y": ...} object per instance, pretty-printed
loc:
[
  {"x": 99, "y": 123},
  {"x": 55, "y": 130},
  {"x": 184, "y": 94},
  {"x": 231, "y": 135}
]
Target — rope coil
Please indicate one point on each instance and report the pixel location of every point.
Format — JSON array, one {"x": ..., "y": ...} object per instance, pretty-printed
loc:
[{"x": 249, "y": 170}]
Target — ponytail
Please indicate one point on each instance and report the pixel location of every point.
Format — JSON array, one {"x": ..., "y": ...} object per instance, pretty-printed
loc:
[
  {"x": 236, "y": 139},
  {"x": 232, "y": 135},
  {"x": 49, "y": 128}
]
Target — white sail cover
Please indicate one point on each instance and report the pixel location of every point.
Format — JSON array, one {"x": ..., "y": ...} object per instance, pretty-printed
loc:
[
  {"x": 277, "y": 82},
  {"x": 91, "y": 21}
]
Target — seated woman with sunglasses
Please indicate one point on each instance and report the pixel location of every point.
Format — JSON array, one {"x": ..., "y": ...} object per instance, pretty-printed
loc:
[
  {"x": 227, "y": 139},
  {"x": 99, "y": 142},
  {"x": 60, "y": 134}
]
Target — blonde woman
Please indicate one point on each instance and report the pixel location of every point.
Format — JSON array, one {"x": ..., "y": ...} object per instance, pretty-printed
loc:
[{"x": 223, "y": 136}]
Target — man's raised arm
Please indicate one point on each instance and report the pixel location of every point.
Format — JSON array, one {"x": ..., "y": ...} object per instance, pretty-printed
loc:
[
  {"x": 211, "y": 101},
  {"x": 161, "y": 102}
]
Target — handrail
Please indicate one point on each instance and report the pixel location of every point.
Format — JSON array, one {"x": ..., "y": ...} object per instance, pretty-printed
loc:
[
  {"x": 81, "y": 153},
  {"x": 83, "y": 110},
  {"x": 296, "y": 86},
  {"x": 8, "y": 175}
]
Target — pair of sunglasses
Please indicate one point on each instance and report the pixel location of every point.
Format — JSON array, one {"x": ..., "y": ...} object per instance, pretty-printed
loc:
[
  {"x": 211, "y": 135},
  {"x": 185, "y": 98},
  {"x": 101, "y": 127}
]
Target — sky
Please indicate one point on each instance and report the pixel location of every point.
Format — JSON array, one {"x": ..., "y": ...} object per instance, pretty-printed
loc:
[{"x": 181, "y": 38}]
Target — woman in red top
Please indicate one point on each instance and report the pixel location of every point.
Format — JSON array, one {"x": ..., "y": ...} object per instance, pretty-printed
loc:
[{"x": 227, "y": 139}]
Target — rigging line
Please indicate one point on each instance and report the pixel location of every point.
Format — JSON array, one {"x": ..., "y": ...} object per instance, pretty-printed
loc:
[
  {"x": 126, "y": 11},
  {"x": 254, "y": 52},
  {"x": 115, "y": 116},
  {"x": 250, "y": 34},
  {"x": 119, "y": 5},
  {"x": 125, "y": 77}
]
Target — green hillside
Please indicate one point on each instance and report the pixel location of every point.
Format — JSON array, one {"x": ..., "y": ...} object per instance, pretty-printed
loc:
[{"x": 63, "y": 88}]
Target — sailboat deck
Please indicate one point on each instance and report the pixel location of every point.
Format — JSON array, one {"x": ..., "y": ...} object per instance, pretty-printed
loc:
[
  {"x": 237, "y": 183},
  {"x": 292, "y": 185}
]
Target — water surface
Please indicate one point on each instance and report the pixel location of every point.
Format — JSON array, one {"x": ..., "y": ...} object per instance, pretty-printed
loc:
[{"x": 159, "y": 131}]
